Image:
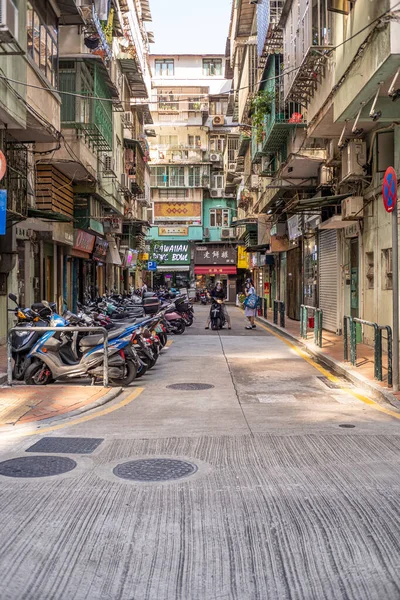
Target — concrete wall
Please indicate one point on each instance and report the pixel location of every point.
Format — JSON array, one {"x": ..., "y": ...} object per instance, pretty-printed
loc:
[{"x": 195, "y": 234}]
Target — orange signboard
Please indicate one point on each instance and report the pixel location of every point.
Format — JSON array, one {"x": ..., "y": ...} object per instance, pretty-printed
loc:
[{"x": 177, "y": 211}]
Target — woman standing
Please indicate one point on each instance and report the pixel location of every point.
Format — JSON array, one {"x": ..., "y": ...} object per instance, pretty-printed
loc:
[{"x": 250, "y": 313}]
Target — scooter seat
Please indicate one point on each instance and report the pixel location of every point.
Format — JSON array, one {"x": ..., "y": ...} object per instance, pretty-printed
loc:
[{"x": 94, "y": 340}]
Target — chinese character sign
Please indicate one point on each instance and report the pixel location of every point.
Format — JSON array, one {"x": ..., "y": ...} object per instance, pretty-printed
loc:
[{"x": 215, "y": 255}]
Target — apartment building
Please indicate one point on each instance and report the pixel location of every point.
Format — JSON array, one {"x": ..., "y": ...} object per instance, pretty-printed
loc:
[
  {"x": 73, "y": 133},
  {"x": 190, "y": 207},
  {"x": 323, "y": 131}
]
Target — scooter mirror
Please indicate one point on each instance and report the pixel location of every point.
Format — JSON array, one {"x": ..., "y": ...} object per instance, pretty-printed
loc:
[
  {"x": 46, "y": 304},
  {"x": 13, "y": 297}
]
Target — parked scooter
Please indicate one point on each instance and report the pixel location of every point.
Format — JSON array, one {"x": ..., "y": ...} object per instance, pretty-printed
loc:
[{"x": 48, "y": 364}]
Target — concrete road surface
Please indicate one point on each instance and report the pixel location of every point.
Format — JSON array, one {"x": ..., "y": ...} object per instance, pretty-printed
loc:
[{"x": 283, "y": 503}]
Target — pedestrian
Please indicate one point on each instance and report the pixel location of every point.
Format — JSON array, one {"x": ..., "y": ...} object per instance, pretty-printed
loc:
[
  {"x": 144, "y": 288},
  {"x": 251, "y": 310},
  {"x": 218, "y": 292}
]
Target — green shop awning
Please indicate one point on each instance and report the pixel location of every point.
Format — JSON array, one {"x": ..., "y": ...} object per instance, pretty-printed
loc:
[{"x": 48, "y": 215}]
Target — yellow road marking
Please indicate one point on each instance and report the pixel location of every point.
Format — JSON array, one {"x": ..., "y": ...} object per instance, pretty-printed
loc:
[
  {"x": 168, "y": 344},
  {"x": 329, "y": 375},
  {"x": 79, "y": 420}
]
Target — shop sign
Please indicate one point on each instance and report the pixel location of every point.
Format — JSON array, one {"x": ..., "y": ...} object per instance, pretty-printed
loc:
[
  {"x": 171, "y": 253},
  {"x": 100, "y": 249},
  {"x": 112, "y": 225},
  {"x": 96, "y": 226},
  {"x": 177, "y": 211},
  {"x": 241, "y": 257},
  {"x": 173, "y": 231},
  {"x": 84, "y": 241},
  {"x": 352, "y": 231},
  {"x": 144, "y": 256},
  {"x": 3, "y": 211},
  {"x": 294, "y": 227},
  {"x": 253, "y": 259},
  {"x": 214, "y": 254},
  {"x": 63, "y": 233},
  {"x": 3, "y": 165}
]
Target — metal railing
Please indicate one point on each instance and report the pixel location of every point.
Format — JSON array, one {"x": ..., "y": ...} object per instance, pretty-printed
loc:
[
  {"x": 350, "y": 334},
  {"x": 63, "y": 328},
  {"x": 318, "y": 319},
  {"x": 279, "y": 309}
]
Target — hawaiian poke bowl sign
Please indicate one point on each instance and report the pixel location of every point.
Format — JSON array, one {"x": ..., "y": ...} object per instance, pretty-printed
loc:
[{"x": 171, "y": 253}]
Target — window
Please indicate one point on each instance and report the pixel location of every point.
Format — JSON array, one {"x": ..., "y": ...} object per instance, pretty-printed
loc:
[
  {"x": 369, "y": 269},
  {"x": 387, "y": 269},
  {"x": 194, "y": 103},
  {"x": 218, "y": 107},
  {"x": 194, "y": 141},
  {"x": 384, "y": 150},
  {"x": 212, "y": 67},
  {"x": 171, "y": 193},
  {"x": 176, "y": 176},
  {"x": 195, "y": 177},
  {"x": 219, "y": 217},
  {"x": 164, "y": 67},
  {"x": 168, "y": 102},
  {"x": 168, "y": 140},
  {"x": 42, "y": 39},
  {"x": 217, "y": 181},
  {"x": 216, "y": 144}
]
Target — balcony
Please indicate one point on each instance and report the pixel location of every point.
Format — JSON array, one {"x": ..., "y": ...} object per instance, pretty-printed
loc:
[
  {"x": 307, "y": 45},
  {"x": 279, "y": 123},
  {"x": 90, "y": 116},
  {"x": 269, "y": 36},
  {"x": 180, "y": 177}
]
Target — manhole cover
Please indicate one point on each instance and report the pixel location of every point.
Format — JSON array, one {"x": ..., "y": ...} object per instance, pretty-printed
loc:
[
  {"x": 190, "y": 386},
  {"x": 36, "y": 466},
  {"x": 347, "y": 426},
  {"x": 66, "y": 445},
  {"x": 155, "y": 469}
]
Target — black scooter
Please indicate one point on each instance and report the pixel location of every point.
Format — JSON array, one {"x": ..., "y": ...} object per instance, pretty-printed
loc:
[{"x": 217, "y": 314}]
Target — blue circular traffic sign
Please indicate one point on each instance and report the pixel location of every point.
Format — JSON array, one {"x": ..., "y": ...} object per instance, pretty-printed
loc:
[{"x": 389, "y": 189}]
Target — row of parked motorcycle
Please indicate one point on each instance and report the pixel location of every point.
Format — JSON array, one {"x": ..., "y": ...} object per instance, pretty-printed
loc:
[{"x": 137, "y": 330}]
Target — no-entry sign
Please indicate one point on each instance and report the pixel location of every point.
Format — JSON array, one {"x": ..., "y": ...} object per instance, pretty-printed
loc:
[{"x": 389, "y": 189}]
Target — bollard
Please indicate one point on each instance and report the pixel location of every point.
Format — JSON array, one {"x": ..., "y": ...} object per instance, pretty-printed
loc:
[
  {"x": 282, "y": 313},
  {"x": 275, "y": 312}
]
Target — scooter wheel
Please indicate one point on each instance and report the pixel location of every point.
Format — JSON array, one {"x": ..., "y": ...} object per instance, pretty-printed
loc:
[
  {"x": 131, "y": 373},
  {"x": 180, "y": 328},
  {"x": 38, "y": 374},
  {"x": 141, "y": 371}
]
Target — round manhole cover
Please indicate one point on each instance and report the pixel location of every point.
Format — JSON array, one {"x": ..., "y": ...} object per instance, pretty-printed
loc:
[
  {"x": 347, "y": 426},
  {"x": 190, "y": 386},
  {"x": 155, "y": 469},
  {"x": 36, "y": 466}
]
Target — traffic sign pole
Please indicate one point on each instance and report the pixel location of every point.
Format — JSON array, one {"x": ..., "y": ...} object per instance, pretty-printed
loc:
[
  {"x": 389, "y": 193},
  {"x": 395, "y": 280}
]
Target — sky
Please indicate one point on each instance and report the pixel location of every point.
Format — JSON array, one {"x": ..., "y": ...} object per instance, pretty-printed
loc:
[{"x": 189, "y": 26}]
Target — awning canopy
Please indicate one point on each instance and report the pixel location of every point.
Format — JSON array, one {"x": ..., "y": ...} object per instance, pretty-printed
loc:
[
  {"x": 173, "y": 268},
  {"x": 48, "y": 215},
  {"x": 215, "y": 270}
]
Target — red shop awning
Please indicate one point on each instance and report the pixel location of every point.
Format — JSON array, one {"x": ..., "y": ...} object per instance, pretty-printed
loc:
[{"x": 215, "y": 270}]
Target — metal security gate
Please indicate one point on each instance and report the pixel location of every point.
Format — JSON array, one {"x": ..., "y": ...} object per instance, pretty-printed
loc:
[{"x": 328, "y": 279}]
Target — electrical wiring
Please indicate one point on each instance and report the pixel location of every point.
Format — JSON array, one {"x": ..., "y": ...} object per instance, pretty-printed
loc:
[{"x": 190, "y": 98}]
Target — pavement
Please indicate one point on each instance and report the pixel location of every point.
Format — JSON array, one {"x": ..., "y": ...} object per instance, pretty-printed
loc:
[
  {"x": 285, "y": 503},
  {"x": 332, "y": 354}
]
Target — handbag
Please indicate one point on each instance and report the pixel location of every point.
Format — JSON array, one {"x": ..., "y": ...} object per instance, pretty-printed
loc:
[{"x": 251, "y": 301}]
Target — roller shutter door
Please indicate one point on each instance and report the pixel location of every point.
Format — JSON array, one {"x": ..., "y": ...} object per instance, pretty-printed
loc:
[{"x": 328, "y": 280}]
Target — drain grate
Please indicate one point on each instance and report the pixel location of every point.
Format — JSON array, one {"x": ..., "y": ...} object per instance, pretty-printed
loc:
[
  {"x": 66, "y": 445},
  {"x": 155, "y": 469},
  {"x": 347, "y": 426},
  {"x": 190, "y": 386},
  {"x": 36, "y": 466}
]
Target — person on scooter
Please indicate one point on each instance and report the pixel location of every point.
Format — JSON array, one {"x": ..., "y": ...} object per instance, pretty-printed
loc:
[{"x": 219, "y": 293}]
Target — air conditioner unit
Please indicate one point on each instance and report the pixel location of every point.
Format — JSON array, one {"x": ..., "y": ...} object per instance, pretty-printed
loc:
[
  {"x": 354, "y": 158},
  {"x": 227, "y": 233},
  {"x": 108, "y": 164},
  {"x": 206, "y": 232},
  {"x": 228, "y": 195},
  {"x": 8, "y": 21},
  {"x": 215, "y": 194},
  {"x": 214, "y": 157},
  {"x": 232, "y": 167},
  {"x": 124, "y": 180},
  {"x": 218, "y": 120},
  {"x": 325, "y": 175},
  {"x": 333, "y": 153},
  {"x": 352, "y": 208},
  {"x": 254, "y": 181}
]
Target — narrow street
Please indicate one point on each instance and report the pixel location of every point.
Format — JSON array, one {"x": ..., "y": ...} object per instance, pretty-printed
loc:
[{"x": 283, "y": 503}]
